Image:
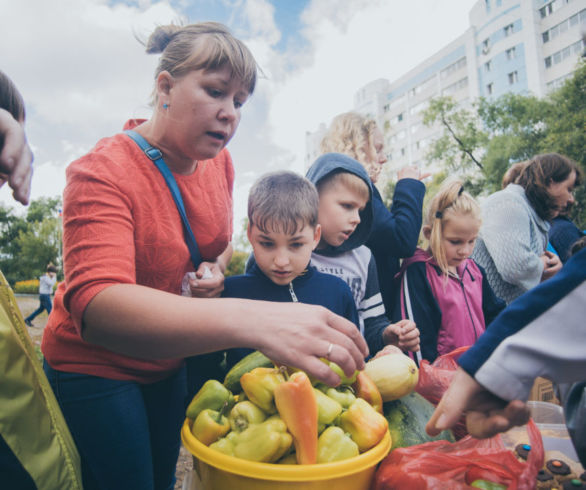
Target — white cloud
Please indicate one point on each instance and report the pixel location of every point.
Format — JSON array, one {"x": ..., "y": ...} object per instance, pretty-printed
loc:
[{"x": 83, "y": 73}]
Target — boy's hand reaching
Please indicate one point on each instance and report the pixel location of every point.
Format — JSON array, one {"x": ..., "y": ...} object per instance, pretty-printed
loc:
[{"x": 404, "y": 334}]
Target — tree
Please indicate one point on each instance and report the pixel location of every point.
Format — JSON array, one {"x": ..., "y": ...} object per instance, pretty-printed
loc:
[
  {"x": 481, "y": 142},
  {"x": 29, "y": 243}
]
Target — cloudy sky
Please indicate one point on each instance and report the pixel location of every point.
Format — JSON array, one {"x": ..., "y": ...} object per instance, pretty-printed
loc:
[{"x": 83, "y": 72}]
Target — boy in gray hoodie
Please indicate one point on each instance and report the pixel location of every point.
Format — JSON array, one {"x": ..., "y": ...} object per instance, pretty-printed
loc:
[{"x": 346, "y": 218}]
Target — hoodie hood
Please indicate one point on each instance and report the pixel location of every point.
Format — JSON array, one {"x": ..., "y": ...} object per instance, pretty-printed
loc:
[{"x": 331, "y": 163}]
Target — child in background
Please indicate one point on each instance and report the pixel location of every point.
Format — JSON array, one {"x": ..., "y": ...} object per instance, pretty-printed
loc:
[
  {"x": 46, "y": 283},
  {"x": 283, "y": 230},
  {"x": 346, "y": 218},
  {"x": 447, "y": 292}
]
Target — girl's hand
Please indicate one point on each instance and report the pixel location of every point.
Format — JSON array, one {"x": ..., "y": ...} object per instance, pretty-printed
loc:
[
  {"x": 208, "y": 281},
  {"x": 404, "y": 334},
  {"x": 551, "y": 265}
]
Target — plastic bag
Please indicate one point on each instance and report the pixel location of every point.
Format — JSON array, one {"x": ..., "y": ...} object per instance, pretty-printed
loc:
[
  {"x": 434, "y": 379},
  {"x": 442, "y": 464}
]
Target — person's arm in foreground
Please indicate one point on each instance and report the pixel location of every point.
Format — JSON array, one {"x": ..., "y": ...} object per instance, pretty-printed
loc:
[
  {"x": 15, "y": 157},
  {"x": 539, "y": 334},
  {"x": 142, "y": 322}
]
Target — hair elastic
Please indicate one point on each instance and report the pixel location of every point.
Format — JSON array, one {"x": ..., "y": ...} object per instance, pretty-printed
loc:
[
  {"x": 439, "y": 215},
  {"x": 460, "y": 191}
]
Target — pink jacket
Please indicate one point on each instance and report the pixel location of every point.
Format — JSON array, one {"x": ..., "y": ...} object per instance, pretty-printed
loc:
[{"x": 460, "y": 319}]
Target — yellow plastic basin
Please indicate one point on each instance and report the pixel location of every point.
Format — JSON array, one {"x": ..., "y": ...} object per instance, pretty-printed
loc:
[{"x": 219, "y": 471}]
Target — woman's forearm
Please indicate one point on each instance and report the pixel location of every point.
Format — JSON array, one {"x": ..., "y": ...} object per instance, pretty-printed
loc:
[{"x": 142, "y": 322}]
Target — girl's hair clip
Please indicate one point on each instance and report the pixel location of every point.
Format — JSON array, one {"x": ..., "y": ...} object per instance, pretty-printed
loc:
[
  {"x": 438, "y": 214},
  {"x": 460, "y": 191}
]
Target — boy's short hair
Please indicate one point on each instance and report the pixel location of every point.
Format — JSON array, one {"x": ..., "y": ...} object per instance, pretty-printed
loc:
[
  {"x": 283, "y": 201},
  {"x": 51, "y": 268},
  {"x": 349, "y": 180}
]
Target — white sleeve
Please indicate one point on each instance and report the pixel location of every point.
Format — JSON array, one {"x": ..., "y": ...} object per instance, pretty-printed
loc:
[{"x": 553, "y": 346}]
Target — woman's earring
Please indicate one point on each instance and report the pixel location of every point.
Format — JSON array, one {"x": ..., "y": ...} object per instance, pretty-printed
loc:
[{"x": 165, "y": 106}]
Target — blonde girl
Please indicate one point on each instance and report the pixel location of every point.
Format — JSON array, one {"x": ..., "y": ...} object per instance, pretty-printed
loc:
[{"x": 445, "y": 291}]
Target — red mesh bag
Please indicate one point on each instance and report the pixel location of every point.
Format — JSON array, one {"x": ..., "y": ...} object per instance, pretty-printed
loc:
[{"x": 455, "y": 465}]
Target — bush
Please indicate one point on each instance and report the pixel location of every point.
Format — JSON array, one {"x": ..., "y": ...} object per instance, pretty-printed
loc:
[
  {"x": 31, "y": 286},
  {"x": 237, "y": 263}
]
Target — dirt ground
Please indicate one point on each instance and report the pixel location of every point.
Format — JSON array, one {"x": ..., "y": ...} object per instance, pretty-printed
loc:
[{"x": 27, "y": 305}]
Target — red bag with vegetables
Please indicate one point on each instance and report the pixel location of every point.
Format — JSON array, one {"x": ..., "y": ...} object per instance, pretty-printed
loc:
[
  {"x": 434, "y": 379},
  {"x": 468, "y": 463}
]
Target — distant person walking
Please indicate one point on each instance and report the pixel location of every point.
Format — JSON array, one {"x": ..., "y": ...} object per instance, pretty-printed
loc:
[{"x": 47, "y": 281}]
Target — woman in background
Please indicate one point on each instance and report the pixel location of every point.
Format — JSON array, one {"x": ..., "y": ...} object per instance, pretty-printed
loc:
[{"x": 515, "y": 224}]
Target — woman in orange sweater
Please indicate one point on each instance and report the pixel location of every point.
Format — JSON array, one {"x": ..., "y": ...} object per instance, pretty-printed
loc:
[{"x": 115, "y": 341}]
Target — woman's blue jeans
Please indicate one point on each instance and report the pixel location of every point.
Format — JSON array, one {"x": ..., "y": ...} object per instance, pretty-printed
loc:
[{"x": 127, "y": 434}]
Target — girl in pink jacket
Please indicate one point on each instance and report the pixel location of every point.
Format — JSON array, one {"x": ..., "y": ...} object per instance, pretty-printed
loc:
[{"x": 442, "y": 289}]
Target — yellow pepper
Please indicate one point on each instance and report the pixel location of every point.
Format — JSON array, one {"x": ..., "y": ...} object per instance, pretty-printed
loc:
[
  {"x": 327, "y": 408},
  {"x": 259, "y": 386},
  {"x": 343, "y": 394},
  {"x": 365, "y": 425},
  {"x": 334, "y": 445},
  {"x": 244, "y": 414},
  {"x": 212, "y": 394},
  {"x": 265, "y": 442},
  {"x": 210, "y": 425}
]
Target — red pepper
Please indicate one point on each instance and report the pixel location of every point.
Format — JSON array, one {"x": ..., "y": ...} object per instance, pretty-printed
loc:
[
  {"x": 297, "y": 406},
  {"x": 365, "y": 388}
]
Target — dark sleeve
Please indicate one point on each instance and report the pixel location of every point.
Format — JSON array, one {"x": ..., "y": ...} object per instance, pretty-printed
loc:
[
  {"x": 396, "y": 232},
  {"x": 375, "y": 319},
  {"x": 351, "y": 312},
  {"x": 562, "y": 235},
  {"x": 426, "y": 312},
  {"x": 491, "y": 304}
]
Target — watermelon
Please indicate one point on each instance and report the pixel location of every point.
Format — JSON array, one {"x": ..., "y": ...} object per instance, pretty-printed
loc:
[{"x": 407, "y": 418}]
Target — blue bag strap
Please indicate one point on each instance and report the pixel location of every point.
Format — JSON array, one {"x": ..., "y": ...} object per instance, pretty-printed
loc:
[{"x": 156, "y": 157}]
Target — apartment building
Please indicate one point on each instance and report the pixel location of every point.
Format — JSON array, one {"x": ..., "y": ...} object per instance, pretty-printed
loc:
[{"x": 519, "y": 46}]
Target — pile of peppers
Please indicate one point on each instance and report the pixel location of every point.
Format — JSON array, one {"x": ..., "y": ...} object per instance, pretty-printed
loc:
[{"x": 282, "y": 416}]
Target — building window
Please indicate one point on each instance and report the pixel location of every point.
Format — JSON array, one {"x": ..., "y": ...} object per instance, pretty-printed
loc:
[
  {"x": 513, "y": 77},
  {"x": 545, "y": 37},
  {"x": 490, "y": 88},
  {"x": 487, "y": 66},
  {"x": 511, "y": 53},
  {"x": 402, "y": 152},
  {"x": 548, "y": 62},
  {"x": 446, "y": 72},
  {"x": 509, "y": 29},
  {"x": 486, "y": 46},
  {"x": 454, "y": 87},
  {"x": 400, "y": 117}
]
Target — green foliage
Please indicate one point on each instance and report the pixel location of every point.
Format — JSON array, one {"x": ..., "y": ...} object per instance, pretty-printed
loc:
[
  {"x": 237, "y": 264},
  {"x": 29, "y": 243},
  {"x": 481, "y": 141},
  {"x": 241, "y": 239}
]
